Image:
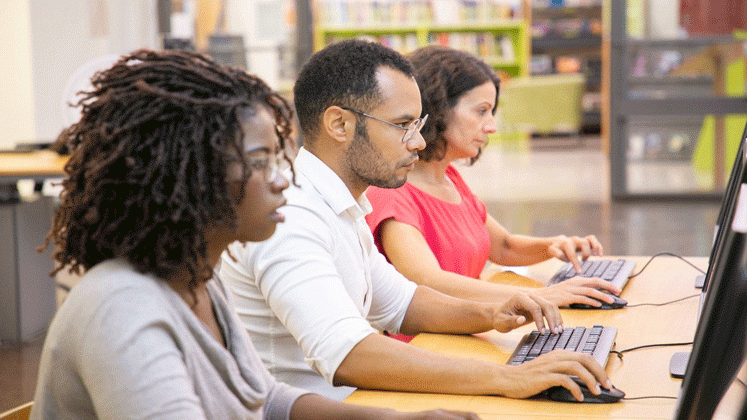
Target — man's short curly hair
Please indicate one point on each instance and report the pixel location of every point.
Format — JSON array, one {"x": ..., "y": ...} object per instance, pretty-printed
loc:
[
  {"x": 444, "y": 75},
  {"x": 342, "y": 74},
  {"x": 148, "y": 171}
]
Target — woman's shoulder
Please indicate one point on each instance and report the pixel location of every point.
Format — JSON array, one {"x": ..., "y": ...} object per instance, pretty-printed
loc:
[
  {"x": 111, "y": 286},
  {"x": 377, "y": 193},
  {"x": 456, "y": 177}
]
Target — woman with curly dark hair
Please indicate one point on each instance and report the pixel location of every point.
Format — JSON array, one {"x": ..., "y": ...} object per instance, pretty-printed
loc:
[
  {"x": 174, "y": 157},
  {"x": 434, "y": 229}
]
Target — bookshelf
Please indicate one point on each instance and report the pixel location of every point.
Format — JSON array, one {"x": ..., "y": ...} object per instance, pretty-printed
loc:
[
  {"x": 493, "y": 30},
  {"x": 568, "y": 39},
  {"x": 676, "y": 112}
]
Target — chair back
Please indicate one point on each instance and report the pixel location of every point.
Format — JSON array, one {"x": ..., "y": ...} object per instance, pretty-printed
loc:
[{"x": 22, "y": 412}]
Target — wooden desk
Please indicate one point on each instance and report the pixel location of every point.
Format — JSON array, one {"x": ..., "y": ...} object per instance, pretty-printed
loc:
[
  {"x": 35, "y": 165},
  {"x": 27, "y": 293},
  {"x": 641, "y": 373}
]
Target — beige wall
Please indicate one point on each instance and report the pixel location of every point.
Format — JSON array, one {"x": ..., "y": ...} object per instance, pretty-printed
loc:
[
  {"x": 16, "y": 97},
  {"x": 42, "y": 45}
]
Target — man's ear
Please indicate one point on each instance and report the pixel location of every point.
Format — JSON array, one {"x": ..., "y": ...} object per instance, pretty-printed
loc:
[{"x": 338, "y": 123}]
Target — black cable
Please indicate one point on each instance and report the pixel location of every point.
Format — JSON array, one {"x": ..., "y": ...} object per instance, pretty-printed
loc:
[
  {"x": 619, "y": 353},
  {"x": 741, "y": 382},
  {"x": 667, "y": 254},
  {"x": 663, "y": 303},
  {"x": 648, "y": 397}
]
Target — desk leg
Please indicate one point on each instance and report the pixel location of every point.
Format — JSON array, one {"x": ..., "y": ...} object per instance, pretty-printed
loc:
[{"x": 27, "y": 292}]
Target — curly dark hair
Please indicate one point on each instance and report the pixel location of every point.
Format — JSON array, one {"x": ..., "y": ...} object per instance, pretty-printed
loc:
[
  {"x": 342, "y": 74},
  {"x": 444, "y": 75},
  {"x": 147, "y": 174}
]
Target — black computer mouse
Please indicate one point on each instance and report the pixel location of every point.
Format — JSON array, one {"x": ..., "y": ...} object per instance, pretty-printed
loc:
[
  {"x": 617, "y": 304},
  {"x": 558, "y": 393}
]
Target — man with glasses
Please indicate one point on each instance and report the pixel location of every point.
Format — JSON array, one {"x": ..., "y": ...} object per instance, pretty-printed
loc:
[{"x": 315, "y": 295}]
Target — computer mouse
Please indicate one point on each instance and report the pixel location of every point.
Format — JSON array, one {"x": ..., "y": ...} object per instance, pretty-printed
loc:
[
  {"x": 617, "y": 304},
  {"x": 558, "y": 393}
]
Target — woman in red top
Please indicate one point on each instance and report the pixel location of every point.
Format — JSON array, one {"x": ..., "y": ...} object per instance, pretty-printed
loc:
[{"x": 434, "y": 229}]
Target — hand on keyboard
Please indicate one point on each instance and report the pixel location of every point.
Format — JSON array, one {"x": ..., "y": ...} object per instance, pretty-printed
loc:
[
  {"x": 567, "y": 249},
  {"x": 583, "y": 290},
  {"x": 524, "y": 308},
  {"x": 555, "y": 369}
]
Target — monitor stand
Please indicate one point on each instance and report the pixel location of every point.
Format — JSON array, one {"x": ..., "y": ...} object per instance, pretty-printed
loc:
[
  {"x": 678, "y": 364},
  {"x": 699, "y": 281}
]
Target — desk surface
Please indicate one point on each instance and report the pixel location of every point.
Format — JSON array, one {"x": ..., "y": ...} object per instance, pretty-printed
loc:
[
  {"x": 641, "y": 373},
  {"x": 36, "y": 164}
]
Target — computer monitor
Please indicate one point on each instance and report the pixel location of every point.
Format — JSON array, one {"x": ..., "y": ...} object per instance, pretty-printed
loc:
[
  {"x": 727, "y": 204},
  {"x": 719, "y": 346},
  {"x": 678, "y": 362}
]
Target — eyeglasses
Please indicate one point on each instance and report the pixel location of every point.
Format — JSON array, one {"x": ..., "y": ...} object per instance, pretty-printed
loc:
[
  {"x": 410, "y": 129},
  {"x": 265, "y": 162}
]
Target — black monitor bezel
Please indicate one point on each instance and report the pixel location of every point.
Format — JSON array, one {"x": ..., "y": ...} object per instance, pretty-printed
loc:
[
  {"x": 720, "y": 338},
  {"x": 727, "y": 205}
]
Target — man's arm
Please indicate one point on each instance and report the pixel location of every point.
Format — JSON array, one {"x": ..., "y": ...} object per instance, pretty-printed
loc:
[
  {"x": 432, "y": 311},
  {"x": 379, "y": 362}
]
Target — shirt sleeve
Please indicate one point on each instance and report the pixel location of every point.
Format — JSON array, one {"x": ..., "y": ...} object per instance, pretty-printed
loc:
[
  {"x": 295, "y": 272},
  {"x": 135, "y": 369},
  {"x": 392, "y": 203},
  {"x": 392, "y": 295}
]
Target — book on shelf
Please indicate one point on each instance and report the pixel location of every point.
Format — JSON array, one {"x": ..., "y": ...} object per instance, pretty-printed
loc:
[
  {"x": 482, "y": 44},
  {"x": 409, "y": 12},
  {"x": 507, "y": 49}
]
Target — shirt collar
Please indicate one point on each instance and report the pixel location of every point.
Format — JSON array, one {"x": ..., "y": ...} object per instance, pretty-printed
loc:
[{"x": 329, "y": 185}]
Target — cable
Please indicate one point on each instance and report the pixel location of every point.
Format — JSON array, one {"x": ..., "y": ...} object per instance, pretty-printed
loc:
[
  {"x": 648, "y": 397},
  {"x": 619, "y": 353},
  {"x": 667, "y": 254},
  {"x": 741, "y": 382},
  {"x": 663, "y": 303}
]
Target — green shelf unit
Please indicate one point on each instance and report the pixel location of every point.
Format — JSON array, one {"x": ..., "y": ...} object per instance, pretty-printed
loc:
[{"x": 504, "y": 44}]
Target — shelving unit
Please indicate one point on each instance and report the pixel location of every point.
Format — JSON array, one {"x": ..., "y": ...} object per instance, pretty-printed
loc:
[
  {"x": 406, "y": 25},
  {"x": 676, "y": 112},
  {"x": 568, "y": 39}
]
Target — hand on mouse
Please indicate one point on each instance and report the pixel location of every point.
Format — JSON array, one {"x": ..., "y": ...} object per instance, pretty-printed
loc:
[{"x": 555, "y": 369}]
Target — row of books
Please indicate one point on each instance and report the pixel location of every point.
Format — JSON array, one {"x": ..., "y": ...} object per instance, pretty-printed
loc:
[
  {"x": 659, "y": 146},
  {"x": 408, "y": 12},
  {"x": 538, "y": 4},
  {"x": 548, "y": 64},
  {"x": 566, "y": 28},
  {"x": 487, "y": 45},
  {"x": 403, "y": 43}
]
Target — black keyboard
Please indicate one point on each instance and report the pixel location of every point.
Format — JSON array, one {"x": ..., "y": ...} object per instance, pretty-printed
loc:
[
  {"x": 615, "y": 271},
  {"x": 596, "y": 341}
]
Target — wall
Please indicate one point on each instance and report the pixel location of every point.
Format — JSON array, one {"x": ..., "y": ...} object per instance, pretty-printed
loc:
[
  {"x": 261, "y": 23},
  {"x": 68, "y": 33},
  {"x": 44, "y": 42},
  {"x": 16, "y": 99}
]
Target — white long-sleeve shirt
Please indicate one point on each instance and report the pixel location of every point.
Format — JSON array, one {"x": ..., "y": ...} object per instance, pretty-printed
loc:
[{"x": 318, "y": 286}]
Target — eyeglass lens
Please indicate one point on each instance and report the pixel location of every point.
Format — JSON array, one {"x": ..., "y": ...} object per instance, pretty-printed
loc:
[{"x": 413, "y": 128}]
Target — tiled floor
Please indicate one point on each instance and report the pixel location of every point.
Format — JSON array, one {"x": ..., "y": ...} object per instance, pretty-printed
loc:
[{"x": 531, "y": 190}]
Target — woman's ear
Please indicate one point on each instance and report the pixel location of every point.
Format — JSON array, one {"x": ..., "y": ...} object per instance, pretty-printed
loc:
[{"x": 338, "y": 123}]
